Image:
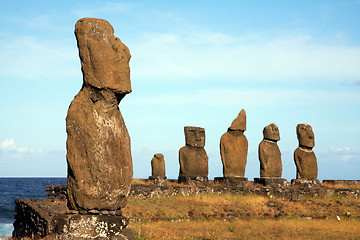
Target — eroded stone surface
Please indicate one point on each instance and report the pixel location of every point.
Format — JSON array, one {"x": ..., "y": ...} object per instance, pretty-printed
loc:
[
  {"x": 46, "y": 218},
  {"x": 269, "y": 153},
  {"x": 234, "y": 148},
  {"x": 304, "y": 156},
  {"x": 158, "y": 165},
  {"x": 98, "y": 144},
  {"x": 192, "y": 157}
]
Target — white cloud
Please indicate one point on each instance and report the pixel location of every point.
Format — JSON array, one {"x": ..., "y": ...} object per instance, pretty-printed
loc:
[
  {"x": 345, "y": 154},
  {"x": 9, "y": 146},
  {"x": 221, "y": 56}
]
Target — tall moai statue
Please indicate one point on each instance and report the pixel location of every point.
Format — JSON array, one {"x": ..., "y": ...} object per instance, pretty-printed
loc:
[
  {"x": 304, "y": 156},
  {"x": 98, "y": 144},
  {"x": 234, "y": 147},
  {"x": 192, "y": 157},
  {"x": 270, "y": 158},
  {"x": 233, "y": 151},
  {"x": 158, "y": 169}
]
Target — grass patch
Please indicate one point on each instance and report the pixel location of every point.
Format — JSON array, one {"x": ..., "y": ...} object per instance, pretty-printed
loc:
[
  {"x": 228, "y": 216},
  {"x": 254, "y": 229},
  {"x": 228, "y": 206}
]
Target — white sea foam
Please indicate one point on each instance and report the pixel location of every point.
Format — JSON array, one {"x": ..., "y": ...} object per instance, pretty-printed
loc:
[{"x": 6, "y": 230}]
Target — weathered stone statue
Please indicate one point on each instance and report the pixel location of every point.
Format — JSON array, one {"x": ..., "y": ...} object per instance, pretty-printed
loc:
[
  {"x": 234, "y": 148},
  {"x": 158, "y": 165},
  {"x": 270, "y": 159},
  {"x": 269, "y": 153},
  {"x": 98, "y": 145},
  {"x": 192, "y": 157},
  {"x": 304, "y": 156},
  {"x": 158, "y": 170}
]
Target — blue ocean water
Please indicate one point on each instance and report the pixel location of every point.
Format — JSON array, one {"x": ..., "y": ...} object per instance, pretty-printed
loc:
[{"x": 13, "y": 188}]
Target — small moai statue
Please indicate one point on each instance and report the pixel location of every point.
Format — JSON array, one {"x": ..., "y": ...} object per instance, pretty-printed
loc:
[
  {"x": 233, "y": 151},
  {"x": 158, "y": 169},
  {"x": 192, "y": 157},
  {"x": 269, "y": 153},
  {"x": 270, "y": 158},
  {"x": 304, "y": 157}
]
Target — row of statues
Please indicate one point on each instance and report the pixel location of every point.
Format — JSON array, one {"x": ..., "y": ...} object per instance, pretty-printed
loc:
[
  {"x": 98, "y": 155},
  {"x": 234, "y": 148}
]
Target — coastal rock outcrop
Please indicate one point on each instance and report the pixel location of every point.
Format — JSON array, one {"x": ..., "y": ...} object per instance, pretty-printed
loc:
[
  {"x": 304, "y": 156},
  {"x": 98, "y": 145},
  {"x": 234, "y": 148}
]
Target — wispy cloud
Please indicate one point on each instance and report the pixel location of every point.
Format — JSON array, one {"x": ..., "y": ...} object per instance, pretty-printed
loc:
[
  {"x": 218, "y": 56},
  {"x": 249, "y": 97},
  {"x": 28, "y": 57},
  {"x": 348, "y": 82},
  {"x": 8, "y": 146},
  {"x": 345, "y": 154},
  {"x": 42, "y": 22}
]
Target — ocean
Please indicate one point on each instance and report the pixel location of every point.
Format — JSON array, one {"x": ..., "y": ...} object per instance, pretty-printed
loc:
[{"x": 13, "y": 188}]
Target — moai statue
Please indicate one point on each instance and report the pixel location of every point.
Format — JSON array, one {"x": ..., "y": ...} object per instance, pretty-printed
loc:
[
  {"x": 98, "y": 144},
  {"x": 304, "y": 156},
  {"x": 269, "y": 153},
  {"x": 158, "y": 170},
  {"x": 234, "y": 147},
  {"x": 270, "y": 158},
  {"x": 233, "y": 151},
  {"x": 158, "y": 165},
  {"x": 192, "y": 157}
]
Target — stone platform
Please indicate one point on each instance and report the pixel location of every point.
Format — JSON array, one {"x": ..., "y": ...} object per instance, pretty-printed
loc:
[
  {"x": 192, "y": 180},
  {"x": 232, "y": 181},
  {"x": 342, "y": 182},
  {"x": 306, "y": 183},
  {"x": 160, "y": 181},
  {"x": 50, "y": 218},
  {"x": 272, "y": 182}
]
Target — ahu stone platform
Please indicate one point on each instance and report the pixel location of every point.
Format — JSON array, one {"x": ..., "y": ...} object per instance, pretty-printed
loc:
[{"x": 50, "y": 217}]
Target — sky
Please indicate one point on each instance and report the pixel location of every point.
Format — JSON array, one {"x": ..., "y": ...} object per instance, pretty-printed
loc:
[{"x": 194, "y": 63}]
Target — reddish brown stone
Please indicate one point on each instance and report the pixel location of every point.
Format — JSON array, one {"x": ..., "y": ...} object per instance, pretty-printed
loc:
[
  {"x": 192, "y": 157},
  {"x": 158, "y": 165},
  {"x": 269, "y": 153},
  {"x": 234, "y": 148},
  {"x": 304, "y": 156},
  {"x": 98, "y": 144}
]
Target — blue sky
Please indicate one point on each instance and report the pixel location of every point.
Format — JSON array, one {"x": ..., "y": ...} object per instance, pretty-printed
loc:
[{"x": 194, "y": 63}]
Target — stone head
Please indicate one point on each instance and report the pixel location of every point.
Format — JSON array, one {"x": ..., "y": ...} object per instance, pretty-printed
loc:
[
  {"x": 305, "y": 135},
  {"x": 159, "y": 156},
  {"x": 195, "y": 136},
  {"x": 239, "y": 122},
  {"x": 104, "y": 58},
  {"x": 271, "y": 132}
]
